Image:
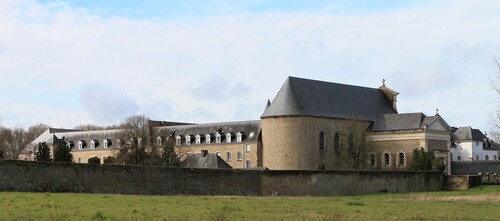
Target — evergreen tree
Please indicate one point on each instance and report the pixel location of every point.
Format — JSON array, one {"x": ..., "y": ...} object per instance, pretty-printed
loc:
[
  {"x": 62, "y": 152},
  {"x": 43, "y": 153},
  {"x": 423, "y": 160}
]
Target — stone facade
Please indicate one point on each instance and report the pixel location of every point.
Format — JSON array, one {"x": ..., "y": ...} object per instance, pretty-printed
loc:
[
  {"x": 118, "y": 179},
  {"x": 230, "y": 152}
]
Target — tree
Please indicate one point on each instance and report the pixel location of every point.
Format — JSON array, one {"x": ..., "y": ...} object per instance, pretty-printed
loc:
[
  {"x": 138, "y": 137},
  {"x": 95, "y": 160},
  {"x": 88, "y": 127},
  {"x": 357, "y": 149},
  {"x": 167, "y": 153},
  {"x": 43, "y": 153},
  {"x": 35, "y": 131},
  {"x": 13, "y": 141},
  {"x": 62, "y": 151},
  {"x": 425, "y": 160},
  {"x": 496, "y": 86}
]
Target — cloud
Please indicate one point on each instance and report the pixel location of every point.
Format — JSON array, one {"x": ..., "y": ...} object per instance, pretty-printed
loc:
[{"x": 105, "y": 105}]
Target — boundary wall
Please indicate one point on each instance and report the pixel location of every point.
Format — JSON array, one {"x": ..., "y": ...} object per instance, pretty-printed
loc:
[{"x": 117, "y": 179}]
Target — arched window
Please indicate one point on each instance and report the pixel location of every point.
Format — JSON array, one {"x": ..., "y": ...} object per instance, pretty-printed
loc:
[
  {"x": 401, "y": 158},
  {"x": 239, "y": 137},
  {"x": 218, "y": 138},
  {"x": 188, "y": 139},
  {"x": 198, "y": 138},
  {"x": 94, "y": 144},
  {"x": 351, "y": 143},
  {"x": 118, "y": 143},
  {"x": 321, "y": 140},
  {"x": 107, "y": 143},
  {"x": 82, "y": 144},
  {"x": 387, "y": 159},
  {"x": 178, "y": 140},
  {"x": 336, "y": 143}
]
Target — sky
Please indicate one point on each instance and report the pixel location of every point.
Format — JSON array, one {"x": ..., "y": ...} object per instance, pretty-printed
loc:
[{"x": 66, "y": 63}]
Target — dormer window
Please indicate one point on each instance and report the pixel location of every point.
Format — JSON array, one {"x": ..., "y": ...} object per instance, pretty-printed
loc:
[
  {"x": 118, "y": 143},
  {"x": 70, "y": 144},
  {"x": 240, "y": 136},
  {"x": 139, "y": 142},
  {"x": 188, "y": 139},
  {"x": 218, "y": 138},
  {"x": 208, "y": 138},
  {"x": 107, "y": 143},
  {"x": 94, "y": 144},
  {"x": 158, "y": 141},
  {"x": 82, "y": 144},
  {"x": 198, "y": 139},
  {"x": 228, "y": 137},
  {"x": 178, "y": 140}
]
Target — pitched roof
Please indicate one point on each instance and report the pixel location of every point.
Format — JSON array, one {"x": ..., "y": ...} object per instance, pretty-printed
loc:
[
  {"x": 467, "y": 133},
  {"x": 211, "y": 160},
  {"x": 401, "y": 122},
  {"x": 223, "y": 128},
  {"x": 304, "y": 97}
]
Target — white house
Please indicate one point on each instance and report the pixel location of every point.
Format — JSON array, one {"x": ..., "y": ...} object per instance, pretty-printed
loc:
[{"x": 470, "y": 144}]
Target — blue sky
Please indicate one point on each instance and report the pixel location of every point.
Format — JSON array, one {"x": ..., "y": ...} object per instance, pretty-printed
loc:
[{"x": 66, "y": 63}]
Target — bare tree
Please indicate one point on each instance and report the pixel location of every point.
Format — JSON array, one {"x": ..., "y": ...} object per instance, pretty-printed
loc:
[
  {"x": 495, "y": 82},
  {"x": 357, "y": 149},
  {"x": 139, "y": 148},
  {"x": 13, "y": 141},
  {"x": 36, "y": 130},
  {"x": 88, "y": 127}
]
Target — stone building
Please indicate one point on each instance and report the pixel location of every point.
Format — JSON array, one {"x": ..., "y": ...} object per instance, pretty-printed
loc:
[{"x": 309, "y": 125}]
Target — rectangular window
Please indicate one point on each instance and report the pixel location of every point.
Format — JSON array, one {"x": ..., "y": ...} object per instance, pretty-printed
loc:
[
  {"x": 372, "y": 159},
  {"x": 459, "y": 158},
  {"x": 178, "y": 141},
  {"x": 247, "y": 164},
  {"x": 248, "y": 148},
  {"x": 79, "y": 160},
  {"x": 239, "y": 155},
  {"x": 229, "y": 157}
]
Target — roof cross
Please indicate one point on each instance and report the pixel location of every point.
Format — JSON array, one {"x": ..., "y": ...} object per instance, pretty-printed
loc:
[{"x": 383, "y": 82}]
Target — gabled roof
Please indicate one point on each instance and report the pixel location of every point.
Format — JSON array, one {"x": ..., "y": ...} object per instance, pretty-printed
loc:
[
  {"x": 468, "y": 134},
  {"x": 407, "y": 121},
  {"x": 304, "y": 97}
]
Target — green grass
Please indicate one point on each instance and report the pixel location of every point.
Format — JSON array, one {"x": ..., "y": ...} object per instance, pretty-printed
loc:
[{"x": 480, "y": 203}]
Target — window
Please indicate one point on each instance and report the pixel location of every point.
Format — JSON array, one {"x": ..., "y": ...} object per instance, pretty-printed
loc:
[
  {"x": 387, "y": 159},
  {"x": 459, "y": 158},
  {"x": 251, "y": 134},
  {"x": 229, "y": 157},
  {"x": 486, "y": 157},
  {"x": 336, "y": 143},
  {"x": 94, "y": 144},
  {"x": 247, "y": 164},
  {"x": 208, "y": 138},
  {"x": 239, "y": 156},
  {"x": 198, "y": 139},
  {"x": 79, "y": 160},
  {"x": 178, "y": 140},
  {"x": 188, "y": 140},
  {"x": 158, "y": 141},
  {"x": 240, "y": 136},
  {"x": 228, "y": 138},
  {"x": 401, "y": 157},
  {"x": 477, "y": 157},
  {"x": 106, "y": 143},
  {"x": 372, "y": 160},
  {"x": 118, "y": 143},
  {"x": 494, "y": 157},
  {"x": 321, "y": 140},
  {"x": 248, "y": 148},
  {"x": 70, "y": 144},
  {"x": 82, "y": 144},
  {"x": 139, "y": 142},
  {"x": 351, "y": 143},
  {"x": 217, "y": 138}
]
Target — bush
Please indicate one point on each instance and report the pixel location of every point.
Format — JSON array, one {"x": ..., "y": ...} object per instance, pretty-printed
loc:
[{"x": 95, "y": 160}]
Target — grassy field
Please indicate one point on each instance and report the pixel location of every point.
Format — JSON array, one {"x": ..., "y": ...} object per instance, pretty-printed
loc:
[{"x": 482, "y": 203}]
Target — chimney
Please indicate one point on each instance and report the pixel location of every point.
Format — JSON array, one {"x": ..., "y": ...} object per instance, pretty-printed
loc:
[{"x": 204, "y": 153}]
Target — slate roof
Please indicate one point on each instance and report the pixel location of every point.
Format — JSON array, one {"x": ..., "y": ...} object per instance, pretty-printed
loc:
[
  {"x": 233, "y": 127},
  {"x": 401, "y": 122},
  {"x": 468, "y": 134},
  {"x": 304, "y": 97},
  {"x": 211, "y": 160}
]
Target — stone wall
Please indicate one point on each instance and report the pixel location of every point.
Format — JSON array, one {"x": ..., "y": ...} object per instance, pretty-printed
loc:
[
  {"x": 93, "y": 178},
  {"x": 461, "y": 182}
]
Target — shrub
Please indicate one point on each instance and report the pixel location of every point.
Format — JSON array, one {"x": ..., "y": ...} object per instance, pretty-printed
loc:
[{"x": 95, "y": 160}]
